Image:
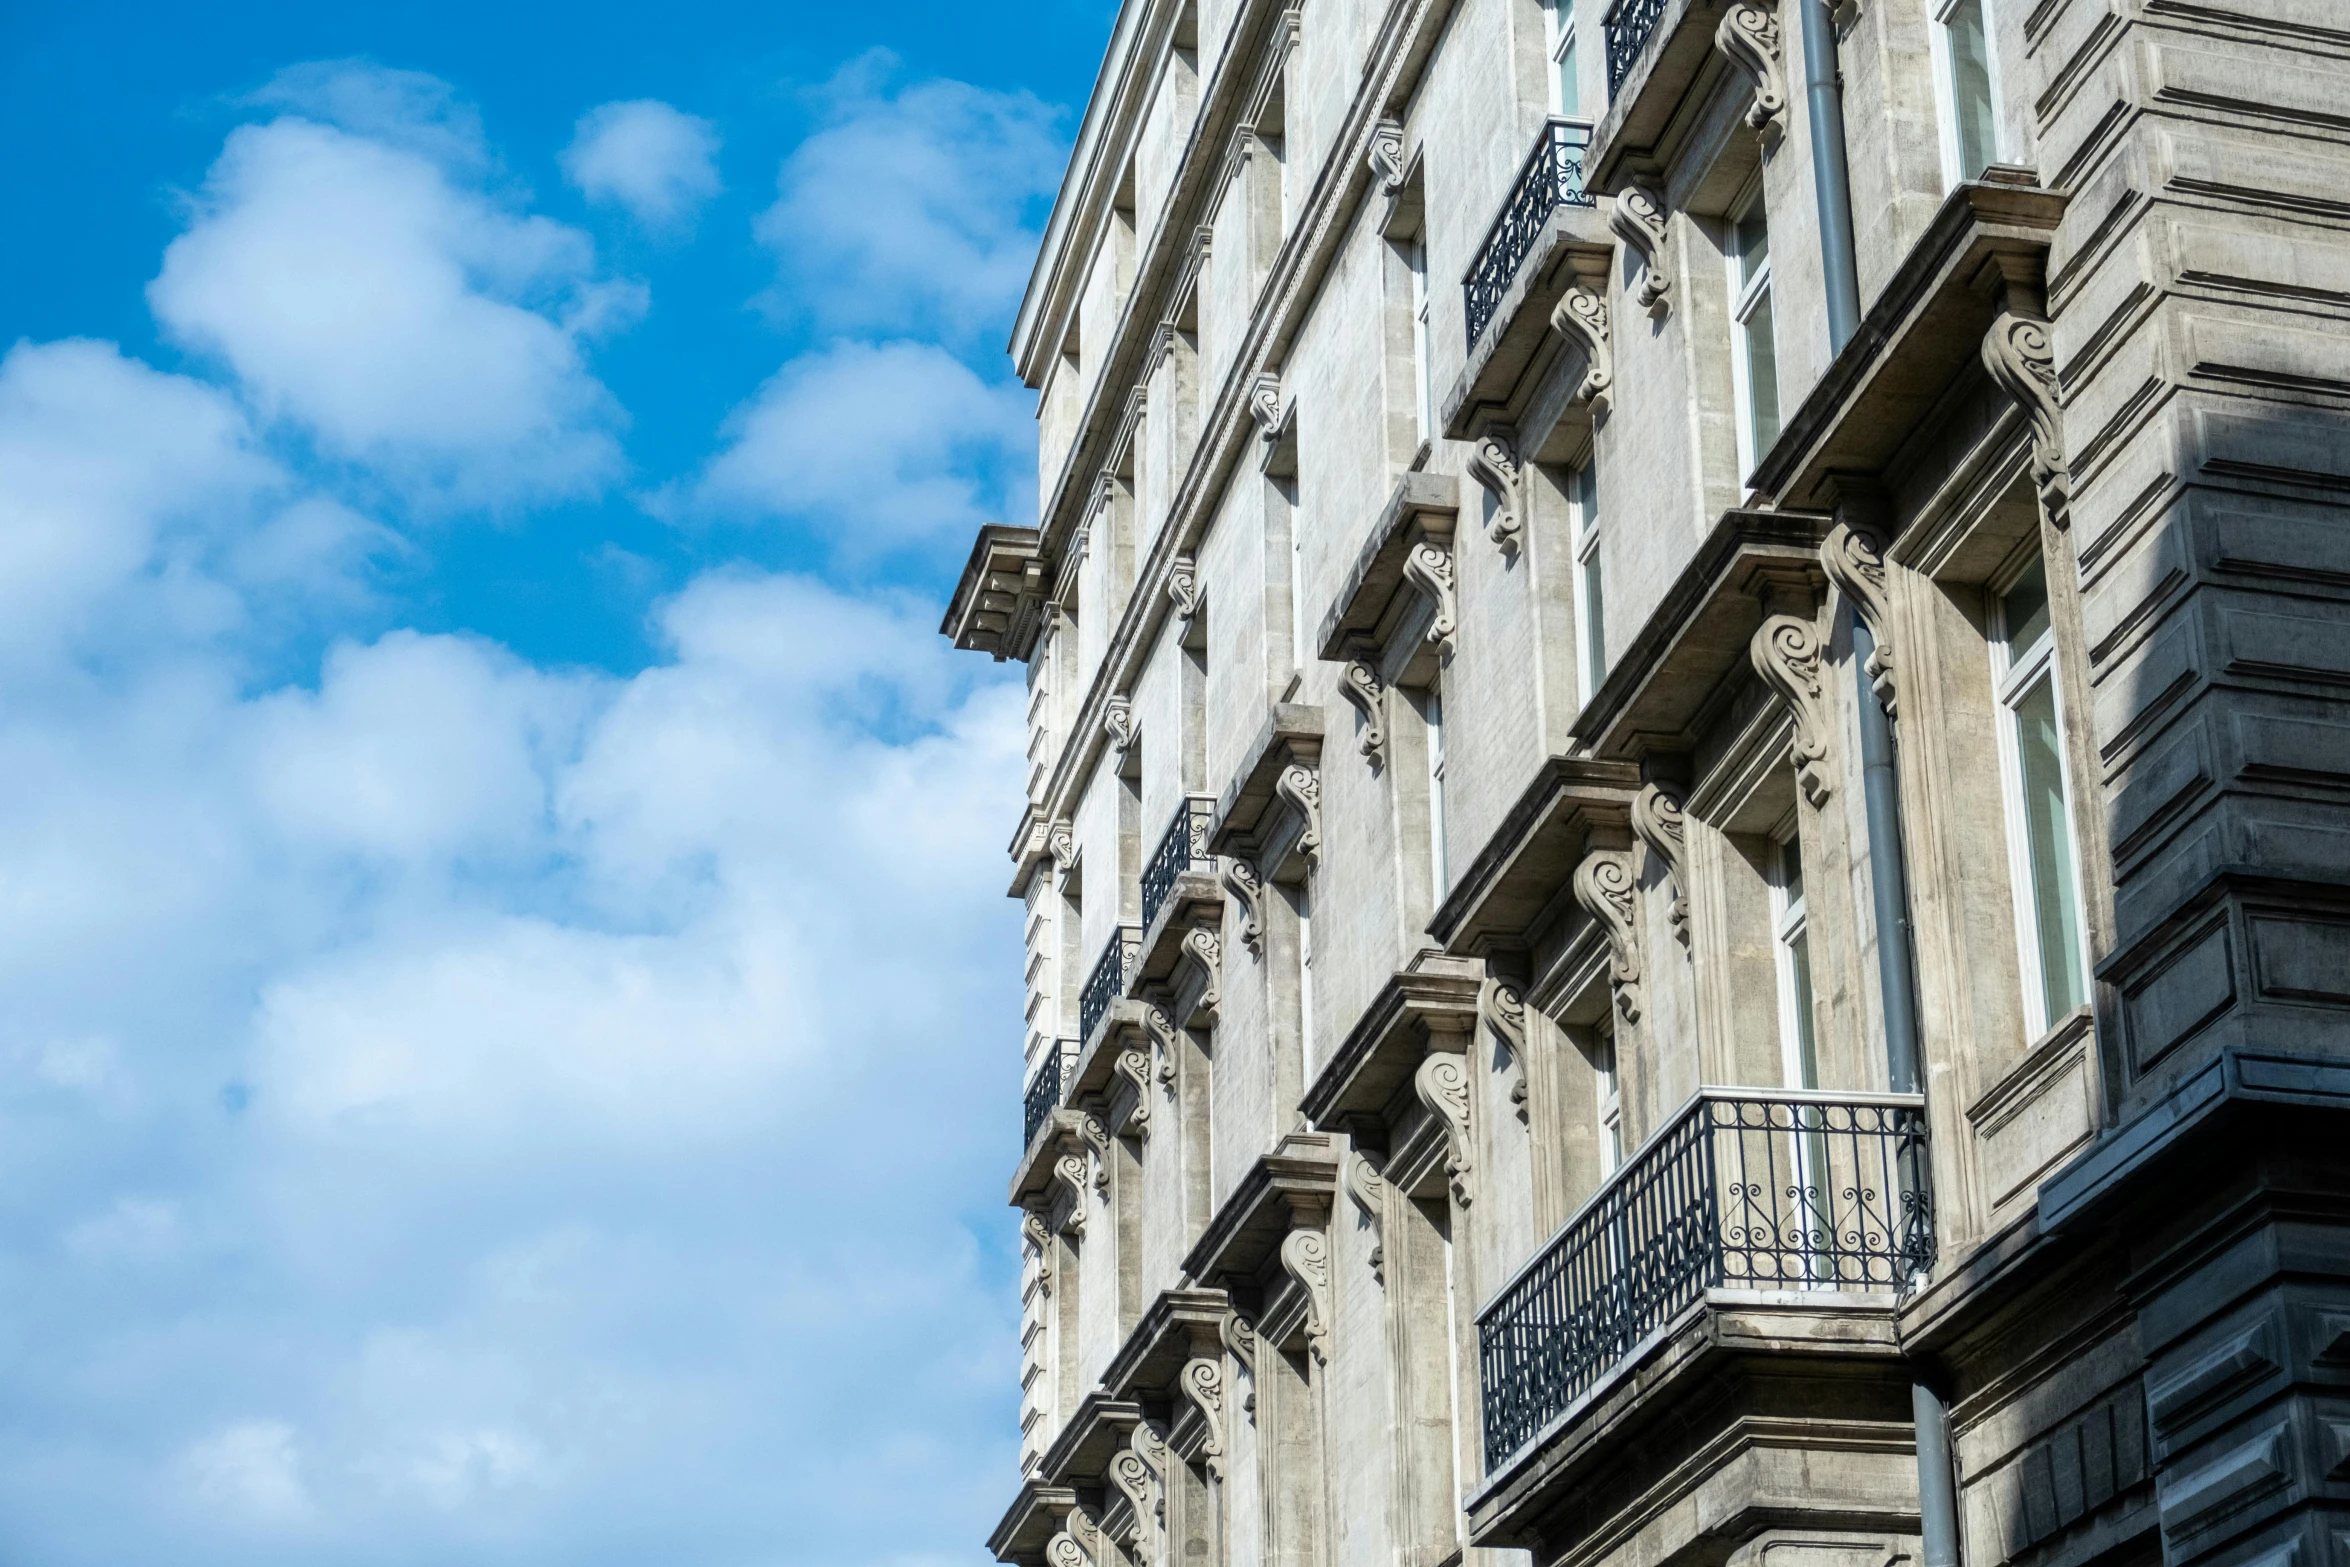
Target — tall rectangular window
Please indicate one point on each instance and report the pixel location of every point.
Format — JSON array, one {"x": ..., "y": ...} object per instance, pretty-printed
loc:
[
  {"x": 1432, "y": 710},
  {"x": 1305, "y": 975},
  {"x": 2039, "y": 801},
  {"x": 1792, "y": 940},
  {"x": 1754, "y": 351},
  {"x": 1970, "y": 118},
  {"x": 1566, "y": 98},
  {"x": 1423, "y": 372},
  {"x": 1590, "y": 597},
  {"x": 1611, "y": 1096}
]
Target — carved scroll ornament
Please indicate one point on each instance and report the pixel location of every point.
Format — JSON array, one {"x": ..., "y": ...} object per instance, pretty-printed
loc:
[
  {"x": 1183, "y": 586},
  {"x": 1163, "y": 1042},
  {"x": 2020, "y": 358},
  {"x": 1118, "y": 719},
  {"x": 1134, "y": 1065},
  {"x": 1442, "y": 1082},
  {"x": 1786, "y": 654},
  {"x": 1603, "y": 885},
  {"x": 1359, "y": 683},
  {"x": 1638, "y": 218},
  {"x": 1061, "y": 842},
  {"x": 1032, "y": 1231},
  {"x": 1305, "y": 1257},
  {"x": 1493, "y": 463},
  {"x": 1202, "y": 1382},
  {"x": 1062, "y": 1550},
  {"x": 1503, "y": 1007},
  {"x": 1239, "y": 1337},
  {"x": 1748, "y": 38},
  {"x": 1366, "y": 1188},
  {"x": 1136, "y": 1481},
  {"x": 1854, "y": 559},
  {"x": 1207, "y": 955},
  {"x": 1386, "y": 154},
  {"x": 1301, "y": 786},
  {"x": 1428, "y": 566},
  {"x": 1069, "y": 1169},
  {"x": 1658, "y": 819},
  {"x": 1581, "y": 317},
  {"x": 1240, "y": 879},
  {"x": 1098, "y": 1137},
  {"x": 1264, "y": 404}
]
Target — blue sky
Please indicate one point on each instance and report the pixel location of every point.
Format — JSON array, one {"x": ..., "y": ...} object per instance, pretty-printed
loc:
[{"x": 512, "y": 1037}]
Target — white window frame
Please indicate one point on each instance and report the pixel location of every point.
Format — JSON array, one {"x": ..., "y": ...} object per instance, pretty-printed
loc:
[
  {"x": 1745, "y": 294},
  {"x": 1305, "y": 974},
  {"x": 1432, "y": 717},
  {"x": 1946, "y": 88},
  {"x": 1559, "y": 42},
  {"x": 1423, "y": 370},
  {"x": 1585, "y": 514},
  {"x": 2013, "y": 675},
  {"x": 1609, "y": 1083},
  {"x": 1790, "y": 923}
]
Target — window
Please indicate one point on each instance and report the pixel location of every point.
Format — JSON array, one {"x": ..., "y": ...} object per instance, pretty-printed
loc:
[
  {"x": 1299, "y": 635},
  {"x": 1792, "y": 946},
  {"x": 1611, "y": 1096},
  {"x": 2039, "y": 801},
  {"x": 1423, "y": 377},
  {"x": 1970, "y": 122},
  {"x": 1590, "y": 601},
  {"x": 1754, "y": 353},
  {"x": 1566, "y": 98},
  {"x": 1305, "y": 975},
  {"x": 1432, "y": 710}
]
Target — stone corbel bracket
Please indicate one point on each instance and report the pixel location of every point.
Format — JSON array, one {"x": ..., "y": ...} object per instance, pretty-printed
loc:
[
  {"x": 1139, "y": 1486},
  {"x": 1183, "y": 586},
  {"x": 1493, "y": 463},
  {"x": 1163, "y": 1042},
  {"x": 1239, "y": 1338},
  {"x": 1207, "y": 955},
  {"x": 1032, "y": 1231},
  {"x": 1118, "y": 721},
  {"x": 1385, "y": 155},
  {"x": 1581, "y": 317},
  {"x": 1502, "y": 1005},
  {"x": 1301, "y": 786},
  {"x": 1637, "y": 216},
  {"x": 1604, "y": 887},
  {"x": 1305, "y": 1257},
  {"x": 1366, "y": 1188},
  {"x": 1062, "y": 1550},
  {"x": 1069, "y": 1170},
  {"x": 1786, "y": 652},
  {"x": 1748, "y": 38},
  {"x": 1360, "y": 684},
  {"x": 1247, "y": 889},
  {"x": 1061, "y": 843},
  {"x": 1442, "y": 1082},
  {"x": 1264, "y": 405},
  {"x": 1427, "y": 565},
  {"x": 1661, "y": 823},
  {"x": 1202, "y": 1383},
  {"x": 1134, "y": 1065},
  {"x": 2021, "y": 360},
  {"x": 1854, "y": 559},
  {"x": 1097, "y": 1137}
]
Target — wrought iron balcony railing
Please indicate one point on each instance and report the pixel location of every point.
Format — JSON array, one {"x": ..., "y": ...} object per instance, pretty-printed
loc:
[
  {"x": 1628, "y": 25},
  {"x": 1107, "y": 979},
  {"x": 1552, "y": 178},
  {"x": 1044, "y": 1090},
  {"x": 1183, "y": 848},
  {"x": 1743, "y": 1190}
]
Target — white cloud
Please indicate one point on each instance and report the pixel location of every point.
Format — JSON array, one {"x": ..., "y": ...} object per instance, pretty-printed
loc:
[
  {"x": 913, "y": 208},
  {"x": 410, "y": 323},
  {"x": 659, "y": 163},
  {"x": 878, "y": 447},
  {"x": 251, "y": 1468}
]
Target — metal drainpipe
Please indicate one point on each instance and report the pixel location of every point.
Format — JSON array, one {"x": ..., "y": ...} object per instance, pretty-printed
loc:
[
  {"x": 1830, "y": 179},
  {"x": 1889, "y": 897}
]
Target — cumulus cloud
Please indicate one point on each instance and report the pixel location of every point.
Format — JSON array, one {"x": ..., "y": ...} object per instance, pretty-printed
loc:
[
  {"x": 652, "y": 159},
  {"x": 913, "y": 207},
  {"x": 376, "y": 297},
  {"x": 877, "y": 447}
]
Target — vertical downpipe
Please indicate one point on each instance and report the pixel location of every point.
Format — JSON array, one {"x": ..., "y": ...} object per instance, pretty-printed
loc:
[
  {"x": 1905, "y": 1063},
  {"x": 1831, "y": 182}
]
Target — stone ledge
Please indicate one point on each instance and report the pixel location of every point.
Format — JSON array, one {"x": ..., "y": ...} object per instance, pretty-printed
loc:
[{"x": 1508, "y": 889}]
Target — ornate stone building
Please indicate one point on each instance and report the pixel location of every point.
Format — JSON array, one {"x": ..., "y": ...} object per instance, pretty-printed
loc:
[{"x": 1687, "y": 857}]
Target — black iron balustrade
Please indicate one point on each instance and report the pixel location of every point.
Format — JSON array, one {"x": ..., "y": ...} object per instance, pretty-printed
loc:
[
  {"x": 1107, "y": 979},
  {"x": 1183, "y": 848},
  {"x": 1044, "y": 1091},
  {"x": 1552, "y": 178},
  {"x": 1743, "y": 1190},
  {"x": 1628, "y": 27}
]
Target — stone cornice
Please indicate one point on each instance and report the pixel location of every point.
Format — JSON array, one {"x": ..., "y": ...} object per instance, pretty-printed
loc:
[
  {"x": 1380, "y": 1053},
  {"x": 1293, "y": 1184}
]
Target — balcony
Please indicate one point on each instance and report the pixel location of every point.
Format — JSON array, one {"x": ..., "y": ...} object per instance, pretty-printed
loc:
[
  {"x": 1784, "y": 1191},
  {"x": 1183, "y": 848},
  {"x": 1628, "y": 23},
  {"x": 1551, "y": 178},
  {"x": 1044, "y": 1091},
  {"x": 1107, "y": 980}
]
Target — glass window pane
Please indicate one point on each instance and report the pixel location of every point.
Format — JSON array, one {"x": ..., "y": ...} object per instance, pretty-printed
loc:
[
  {"x": 2025, "y": 608},
  {"x": 1570, "y": 96},
  {"x": 1594, "y": 622},
  {"x": 1970, "y": 89},
  {"x": 1807, "y": 1060},
  {"x": 1762, "y": 377},
  {"x": 2048, "y": 839},
  {"x": 1754, "y": 241}
]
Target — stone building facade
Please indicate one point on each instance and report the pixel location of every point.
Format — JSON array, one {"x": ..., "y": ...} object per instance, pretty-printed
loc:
[{"x": 1687, "y": 856}]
